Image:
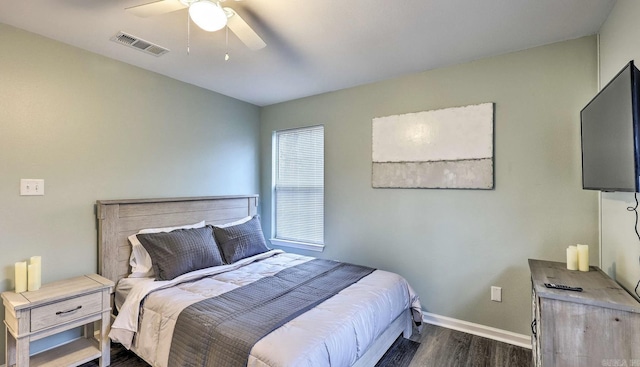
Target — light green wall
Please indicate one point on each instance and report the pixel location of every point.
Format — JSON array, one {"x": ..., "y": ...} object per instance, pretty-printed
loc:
[
  {"x": 94, "y": 128},
  {"x": 452, "y": 245},
  {"x": 620, "y": 246}
]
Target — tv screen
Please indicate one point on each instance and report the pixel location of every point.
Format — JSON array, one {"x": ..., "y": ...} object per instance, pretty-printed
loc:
[{"x": 610, "y": 135}]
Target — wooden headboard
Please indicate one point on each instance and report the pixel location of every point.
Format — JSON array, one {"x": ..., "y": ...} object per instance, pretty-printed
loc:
[{"x": 118, "y": 219}]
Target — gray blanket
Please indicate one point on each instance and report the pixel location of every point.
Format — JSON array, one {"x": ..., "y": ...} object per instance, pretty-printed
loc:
[{"x": 221, "y": 331}]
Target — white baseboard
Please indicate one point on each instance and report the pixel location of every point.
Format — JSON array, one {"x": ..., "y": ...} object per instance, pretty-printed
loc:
[{"x": 477, "y": 329}]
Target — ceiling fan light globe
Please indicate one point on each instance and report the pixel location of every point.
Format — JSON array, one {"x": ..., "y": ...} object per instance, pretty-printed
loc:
[{"x": 208, "y": 15}]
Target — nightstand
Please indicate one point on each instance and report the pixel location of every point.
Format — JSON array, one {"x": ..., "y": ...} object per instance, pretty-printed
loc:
[{"x": 56, "y": 307}]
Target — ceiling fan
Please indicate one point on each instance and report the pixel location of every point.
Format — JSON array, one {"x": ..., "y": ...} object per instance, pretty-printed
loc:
[{"x": 206, "y": 14}]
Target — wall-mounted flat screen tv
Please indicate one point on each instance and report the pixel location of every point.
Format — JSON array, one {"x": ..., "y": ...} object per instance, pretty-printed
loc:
[{"x": 609, "y": 125}]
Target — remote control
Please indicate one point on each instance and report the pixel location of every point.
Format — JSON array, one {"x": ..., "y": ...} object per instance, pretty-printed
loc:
[{"x": 563, "y": 287}]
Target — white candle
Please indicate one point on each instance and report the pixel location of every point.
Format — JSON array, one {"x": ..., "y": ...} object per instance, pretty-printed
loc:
[
  {"x": 35, "y": 271},
  {"x": 572, "y": 258},
  {"x": 21, "y": 276},
  {"x": 583, "y": 257}
]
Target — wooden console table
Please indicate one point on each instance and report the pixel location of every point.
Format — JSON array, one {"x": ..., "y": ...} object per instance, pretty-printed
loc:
[{"x": 597, "y": 327}]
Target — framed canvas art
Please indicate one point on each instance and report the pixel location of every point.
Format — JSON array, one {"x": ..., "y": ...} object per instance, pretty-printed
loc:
[{"x": 450, "y": 148}]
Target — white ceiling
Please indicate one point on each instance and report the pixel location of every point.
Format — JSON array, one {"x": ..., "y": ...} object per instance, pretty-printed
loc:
[{"x": 313, "y": 46}]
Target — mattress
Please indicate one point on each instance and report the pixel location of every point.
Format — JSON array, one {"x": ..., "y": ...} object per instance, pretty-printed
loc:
[{"x": 335, "y": 333}]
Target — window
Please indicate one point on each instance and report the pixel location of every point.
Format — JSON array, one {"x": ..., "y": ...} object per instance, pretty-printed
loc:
[{"x": 298, "y": 191}]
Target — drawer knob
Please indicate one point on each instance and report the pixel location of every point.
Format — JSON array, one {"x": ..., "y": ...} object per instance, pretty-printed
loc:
[{"x": 60, "y": 313}]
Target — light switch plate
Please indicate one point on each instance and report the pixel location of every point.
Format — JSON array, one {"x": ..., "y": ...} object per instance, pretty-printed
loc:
[{"x": 31, "y": 187}]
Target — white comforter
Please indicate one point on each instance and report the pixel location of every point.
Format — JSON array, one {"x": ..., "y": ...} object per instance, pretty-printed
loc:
[{"x": 335, "y": 333}]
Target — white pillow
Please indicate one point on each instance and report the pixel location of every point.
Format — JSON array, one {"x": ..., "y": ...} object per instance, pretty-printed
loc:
[
  {"x": 140, "y": 260},
  {"x": 231, "y": 224}
]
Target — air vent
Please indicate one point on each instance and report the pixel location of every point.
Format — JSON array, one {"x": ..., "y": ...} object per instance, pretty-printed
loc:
[{"x": 139, "y": 44}]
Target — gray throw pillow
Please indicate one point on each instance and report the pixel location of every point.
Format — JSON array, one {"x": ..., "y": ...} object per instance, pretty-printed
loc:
[
  {"x": 181, "y": 251},
  {"x": 242, "y": 240}
]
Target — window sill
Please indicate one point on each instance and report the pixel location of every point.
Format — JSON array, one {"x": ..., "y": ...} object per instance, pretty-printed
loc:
[{"x": 299, "y": 245}]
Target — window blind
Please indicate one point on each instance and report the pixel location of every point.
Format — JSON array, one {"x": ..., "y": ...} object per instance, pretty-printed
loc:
[{"x": 299, "y": 185}]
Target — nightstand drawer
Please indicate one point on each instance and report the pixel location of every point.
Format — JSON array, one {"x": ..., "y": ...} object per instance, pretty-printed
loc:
[{"x": 67, "y": 310}]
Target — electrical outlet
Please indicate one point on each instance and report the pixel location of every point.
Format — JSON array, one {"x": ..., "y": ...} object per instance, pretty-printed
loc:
[
  {"x": 31, "y": 186},
  {"x": 496, "y": 294}
]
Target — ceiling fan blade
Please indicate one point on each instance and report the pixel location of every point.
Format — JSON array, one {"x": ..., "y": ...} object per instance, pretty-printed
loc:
[
  {"x": 247, "y": 35},
  {"x": 156, "y": 8}
]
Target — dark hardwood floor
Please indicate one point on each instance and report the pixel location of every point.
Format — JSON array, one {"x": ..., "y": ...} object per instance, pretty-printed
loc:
[
  {"x": 444, "y": 347},
  {"x": 120, "y": 357},
  {"x": 436, "y": 346}
]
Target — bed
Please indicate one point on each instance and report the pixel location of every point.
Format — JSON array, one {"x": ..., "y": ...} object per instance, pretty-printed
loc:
[{"x": 353, "y": 327}]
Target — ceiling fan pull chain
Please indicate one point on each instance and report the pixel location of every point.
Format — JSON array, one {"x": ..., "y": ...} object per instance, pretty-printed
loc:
[
  {"x": 188, "y": 32},
  {"x": 226, "y": 36}
]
